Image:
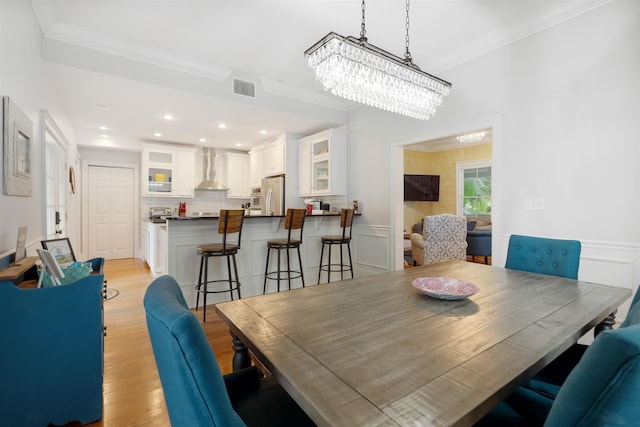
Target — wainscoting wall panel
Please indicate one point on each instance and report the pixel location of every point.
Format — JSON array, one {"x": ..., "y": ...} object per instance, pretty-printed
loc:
[{"x": 371, "y": 245}]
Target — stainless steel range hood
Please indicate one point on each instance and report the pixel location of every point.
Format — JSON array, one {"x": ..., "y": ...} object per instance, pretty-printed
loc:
[{"x": 209, "y": 172}]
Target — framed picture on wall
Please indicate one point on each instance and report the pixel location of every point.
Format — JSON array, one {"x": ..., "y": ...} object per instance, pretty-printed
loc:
[
  {"x": 17, "y": 141},
  {"x": 61, "y": 249}
]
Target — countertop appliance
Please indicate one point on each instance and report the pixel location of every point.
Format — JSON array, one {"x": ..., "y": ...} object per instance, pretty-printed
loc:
[
  {"x": 159, "y": 214},
  {"x": 272, "y": 193}
]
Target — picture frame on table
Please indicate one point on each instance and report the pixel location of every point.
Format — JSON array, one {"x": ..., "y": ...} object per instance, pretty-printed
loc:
[
  {"x": 61, "y": 249},
  {"x": 51, "y": 266},
  {"x": 17, "y": 140}
]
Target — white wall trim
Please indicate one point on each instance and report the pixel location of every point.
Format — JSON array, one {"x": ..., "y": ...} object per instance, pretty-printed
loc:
[
  {"x": 373, "y": 237},
  {"x": 396, "y": 156}
]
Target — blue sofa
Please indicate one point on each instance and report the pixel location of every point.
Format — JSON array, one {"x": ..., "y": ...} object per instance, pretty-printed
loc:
[
  {"x": 479, "y": 243},
  {"x": 51, "y": 353}
]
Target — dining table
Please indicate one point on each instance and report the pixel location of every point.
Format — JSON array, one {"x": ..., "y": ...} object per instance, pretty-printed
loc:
[{"x": 375, "y": 350}]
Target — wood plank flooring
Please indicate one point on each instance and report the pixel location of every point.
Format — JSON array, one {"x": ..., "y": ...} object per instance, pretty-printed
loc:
[{"x": 132, "y": 390}]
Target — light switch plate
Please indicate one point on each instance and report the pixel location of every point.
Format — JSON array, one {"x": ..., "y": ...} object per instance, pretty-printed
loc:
[{"x": 534, "y": 204}]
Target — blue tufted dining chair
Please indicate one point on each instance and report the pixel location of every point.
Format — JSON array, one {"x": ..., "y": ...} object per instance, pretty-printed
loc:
[
  {"x": 555, "y": 257},
  {"x": 195, "y": 391},
  {"x": 555, "y": 374},
  {"x": 602, "y": 390}
]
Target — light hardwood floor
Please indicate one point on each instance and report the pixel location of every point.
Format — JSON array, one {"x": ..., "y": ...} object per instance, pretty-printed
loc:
[{"x": 132, "y": 391}]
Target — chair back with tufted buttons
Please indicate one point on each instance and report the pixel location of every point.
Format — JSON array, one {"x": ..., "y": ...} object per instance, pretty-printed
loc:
[{"x": 555, "y": 257}]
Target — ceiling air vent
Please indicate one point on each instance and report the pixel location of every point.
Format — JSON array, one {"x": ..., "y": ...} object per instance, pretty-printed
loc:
[{"x": 245, "y": 88}]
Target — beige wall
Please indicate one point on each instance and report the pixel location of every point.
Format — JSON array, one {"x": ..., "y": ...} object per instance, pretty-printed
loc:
[{"x": 441, "y": 163}]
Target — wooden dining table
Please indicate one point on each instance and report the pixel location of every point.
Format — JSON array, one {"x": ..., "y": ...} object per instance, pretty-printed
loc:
[{"x": 376, "y": 351}]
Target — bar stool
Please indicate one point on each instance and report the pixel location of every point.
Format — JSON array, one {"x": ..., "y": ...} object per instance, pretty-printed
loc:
[
  {"x": 346, "y": 219},
  {"x": 230, "y": 222},
  {"x": 293, "y": 221}
]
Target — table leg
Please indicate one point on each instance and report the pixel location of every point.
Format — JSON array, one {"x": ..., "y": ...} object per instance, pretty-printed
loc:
[
  {"x": 607, "y": 323},
  {"x": 241, "y": 358}
]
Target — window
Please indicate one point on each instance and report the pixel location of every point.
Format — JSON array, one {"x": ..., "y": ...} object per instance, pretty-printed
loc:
[
  {"x": 474, "y": 189},
  {"x": 55, "y": 178}
]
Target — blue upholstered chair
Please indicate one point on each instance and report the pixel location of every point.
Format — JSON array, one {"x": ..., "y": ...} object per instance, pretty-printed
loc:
[
  {"x": 444, "y": 237},
  {"x": 195, "y": 391},
  {"x": 51, "y": 353},
  {"x": 602, "y": 390},
  {"x": 554, "y": 375},
  {"x": 555, "y": 257}
]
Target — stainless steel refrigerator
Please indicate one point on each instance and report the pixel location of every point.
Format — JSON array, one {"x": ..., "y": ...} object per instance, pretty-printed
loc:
[{"x": 273, "y": 195}]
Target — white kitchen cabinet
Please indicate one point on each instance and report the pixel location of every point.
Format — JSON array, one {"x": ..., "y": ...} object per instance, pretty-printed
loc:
[
  {"x": 161, "y": 251},
  {"x": 156, "y": 248},
  {"x": 323, "y": 162},
  {"x": 145, "y": 241},
  {"x": 168, "y": 171},
  {"x": 237, "y": 175},
  {"x": 274, "y": 158},
  {"x": 256, "y": 168},
  {"x": 185, "y": 173},
  {"x": 304, "y": 168}
]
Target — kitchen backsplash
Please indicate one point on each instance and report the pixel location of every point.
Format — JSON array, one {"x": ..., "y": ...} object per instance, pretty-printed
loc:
[
  {"x": 204, "y": 201},
  {"x": 213, "y": 201}
]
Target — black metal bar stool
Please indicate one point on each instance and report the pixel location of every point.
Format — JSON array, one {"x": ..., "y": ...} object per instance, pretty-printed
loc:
[
  {"x": 230, "y": 223},
  {"x": 293, "y": 221},
  {"x": 346, "y": 220}
]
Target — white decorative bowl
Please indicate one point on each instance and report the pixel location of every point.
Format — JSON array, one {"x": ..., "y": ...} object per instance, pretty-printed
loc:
[{"x": 445, "y": 287}]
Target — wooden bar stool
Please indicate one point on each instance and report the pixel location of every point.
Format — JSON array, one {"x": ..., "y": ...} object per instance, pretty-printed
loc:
[
  {"x": 346, "y": 219},
  {"x": 293, "y": 221},
  {"x": 230, "y": 223}
]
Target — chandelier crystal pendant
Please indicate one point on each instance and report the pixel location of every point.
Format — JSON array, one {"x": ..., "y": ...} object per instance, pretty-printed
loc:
[{"x": 358, "y": 71}]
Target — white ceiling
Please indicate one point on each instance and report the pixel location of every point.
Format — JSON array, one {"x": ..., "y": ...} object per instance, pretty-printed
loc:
[{"x": 145, "y": 58}]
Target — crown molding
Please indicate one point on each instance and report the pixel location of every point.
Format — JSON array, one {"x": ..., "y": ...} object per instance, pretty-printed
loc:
[
  {"x": 91, "y": 39},
  {"x": 554, "y": 14},
  {"x": 321, "y": 98}
]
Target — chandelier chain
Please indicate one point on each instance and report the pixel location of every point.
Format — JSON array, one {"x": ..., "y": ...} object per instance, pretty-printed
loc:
[
  {"x": 363, "y": 31},
  {"x": 407, "y": 54}
]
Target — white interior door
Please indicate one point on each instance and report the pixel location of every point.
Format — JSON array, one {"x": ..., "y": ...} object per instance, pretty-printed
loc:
[{"x": 111, "y": 212}]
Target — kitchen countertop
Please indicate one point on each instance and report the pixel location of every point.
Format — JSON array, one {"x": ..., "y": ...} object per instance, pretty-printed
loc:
[{"x": 196, "y": 217}]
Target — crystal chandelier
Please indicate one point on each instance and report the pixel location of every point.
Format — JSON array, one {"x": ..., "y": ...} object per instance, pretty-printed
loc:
[{"x": 356, "y": 70}]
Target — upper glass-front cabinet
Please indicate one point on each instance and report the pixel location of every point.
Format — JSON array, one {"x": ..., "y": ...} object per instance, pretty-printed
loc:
[
  {"x": 168, "y": 172},
  {"x": 321, "y": 168},
  {"x": 323, "y": 164},
  {"x": 160, "y": 165}
]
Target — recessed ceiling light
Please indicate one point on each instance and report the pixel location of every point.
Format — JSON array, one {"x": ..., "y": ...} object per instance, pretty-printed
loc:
[
  {"x": 263, "y": 132},
  {"x": 167, "y": 117},
  {"x": 103, "y": 128},
  {"x": 238, "y": 144},
  {"x": 203, "y": 139},
  {"x": 104, "y": 136},
  {"x": 102, "y": 107},
  {"x": 222, "y": 126},
  {"x": 157, "y": 134}
]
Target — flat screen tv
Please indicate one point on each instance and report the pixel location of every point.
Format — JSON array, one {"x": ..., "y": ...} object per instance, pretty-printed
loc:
[{"x": 422, "y": 188}]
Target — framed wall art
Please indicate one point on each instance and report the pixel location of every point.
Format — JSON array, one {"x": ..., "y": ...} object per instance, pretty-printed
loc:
[{"x": 17, "y": 140}]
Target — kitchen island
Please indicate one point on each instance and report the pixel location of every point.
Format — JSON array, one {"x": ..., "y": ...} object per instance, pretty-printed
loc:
[{"x": 185, "y": 234}]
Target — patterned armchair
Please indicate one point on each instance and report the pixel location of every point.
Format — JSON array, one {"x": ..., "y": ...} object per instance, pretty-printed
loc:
[{"x": 443, "y": 237}]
